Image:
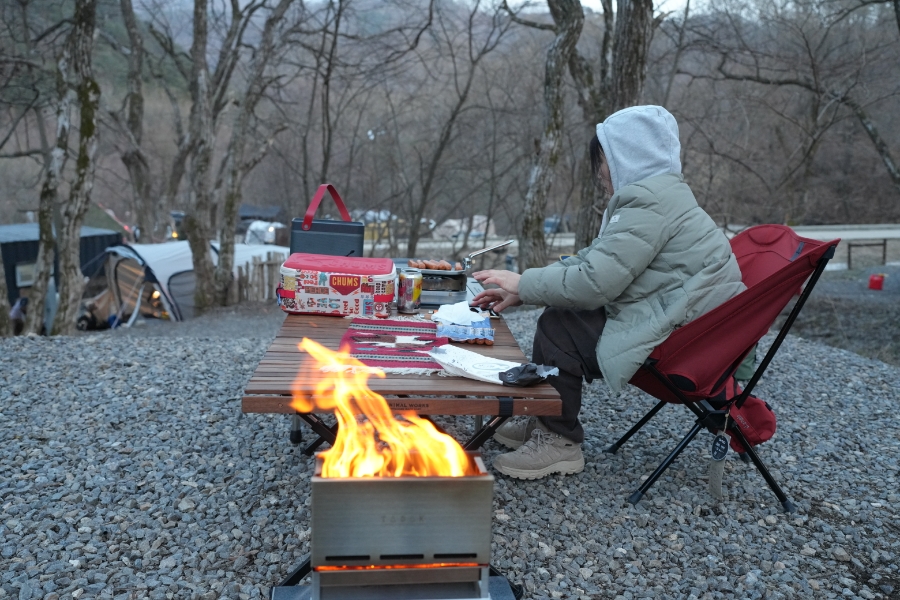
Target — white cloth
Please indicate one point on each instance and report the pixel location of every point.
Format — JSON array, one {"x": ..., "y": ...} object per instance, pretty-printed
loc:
[
  {"x": 464, "y": 363},
  {"x": 457, "y": 314}
]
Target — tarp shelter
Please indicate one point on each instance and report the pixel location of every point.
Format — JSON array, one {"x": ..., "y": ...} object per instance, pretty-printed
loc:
[
  {"x": 19, "y": 245},
  {"x": 136, "y": 271},
  {"x": 246, "y": 212}
]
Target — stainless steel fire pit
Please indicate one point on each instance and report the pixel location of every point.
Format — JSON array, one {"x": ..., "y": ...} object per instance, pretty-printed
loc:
[{"x": 401, "y": 537}]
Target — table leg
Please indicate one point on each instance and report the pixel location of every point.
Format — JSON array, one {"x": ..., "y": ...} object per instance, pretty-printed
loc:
[
  {"x": 326, "y": 433},
  {"x": 479, "y": 422},
  {"x": 296, "y": 433},
  {"x": 314, "y": 445},
  {"x": 482, "y": 435}
]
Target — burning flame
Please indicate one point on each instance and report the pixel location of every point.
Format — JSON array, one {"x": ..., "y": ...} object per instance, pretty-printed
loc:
[{"x": 377, "y": 445}]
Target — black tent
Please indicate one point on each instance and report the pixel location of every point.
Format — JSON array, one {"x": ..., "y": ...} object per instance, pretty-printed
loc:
[
  {"x": 19, "y": 245},
  {"x": 246, "y": 212}
]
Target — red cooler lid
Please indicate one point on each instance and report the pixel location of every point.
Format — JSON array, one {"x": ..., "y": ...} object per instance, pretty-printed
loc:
[{"x": 339, "y": 264}]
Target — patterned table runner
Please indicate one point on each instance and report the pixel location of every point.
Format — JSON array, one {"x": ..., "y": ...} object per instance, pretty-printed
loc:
[{"x": 399, "y": 347}]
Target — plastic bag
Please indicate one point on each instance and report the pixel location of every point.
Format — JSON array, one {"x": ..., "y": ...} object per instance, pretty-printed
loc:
[{"x": 527, "y": 374}]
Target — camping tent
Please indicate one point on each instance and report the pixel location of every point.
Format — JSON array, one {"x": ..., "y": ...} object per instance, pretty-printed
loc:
[
  {"x": 157, "y": 280},
  {"x": 19, "y": 244}
]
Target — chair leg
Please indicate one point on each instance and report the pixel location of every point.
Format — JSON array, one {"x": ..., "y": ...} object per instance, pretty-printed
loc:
[
  {"x": 636, "y": 496},
  {"x": 615, "y": 447},
  {"x": 786, "y": 504}
]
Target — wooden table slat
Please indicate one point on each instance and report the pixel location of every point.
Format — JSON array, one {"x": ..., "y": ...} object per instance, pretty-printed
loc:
[
  {"x": 422, "y": 406},
  {"x": 276, "y": 376}
]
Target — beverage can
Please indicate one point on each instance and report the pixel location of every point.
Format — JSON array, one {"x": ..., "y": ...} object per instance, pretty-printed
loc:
[
  {"x": 384, "y": 296},
  {"x": 410, "y": 294}
]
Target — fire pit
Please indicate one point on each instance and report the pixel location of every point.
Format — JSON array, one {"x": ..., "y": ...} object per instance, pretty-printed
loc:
[
  {"x": 399, "y": 510},
  {"x": 401, "y": 537}
]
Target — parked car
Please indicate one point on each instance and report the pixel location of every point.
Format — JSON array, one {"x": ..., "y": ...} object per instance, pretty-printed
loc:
[{"x": 555, "y": 224}]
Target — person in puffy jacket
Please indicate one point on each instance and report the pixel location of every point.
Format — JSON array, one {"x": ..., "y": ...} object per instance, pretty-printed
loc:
[{"x": 658, "y": 262}]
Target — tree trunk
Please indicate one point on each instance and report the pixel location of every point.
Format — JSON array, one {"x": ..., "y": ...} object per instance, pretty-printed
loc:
[
  {"x": 198, "y": 217},
  {"x": 71, "y": 279},
  {"x": 133, "y": 158},
  {"x": 5, "y": 325},
  {"x": 679, "y": 50},
  {"x": 591, "y": 205},
  {"x": 235, "y": 164},
  {"x": 618, "y": 87},
  {"x": 569, "y": 18},
  {"x": 34, "y": 319},
  {"x": 594, "y": 99},
  {"x": 880, "y": 145},
  {"x": 897, "y": 12},
  {"x": 634, "y": 29}
]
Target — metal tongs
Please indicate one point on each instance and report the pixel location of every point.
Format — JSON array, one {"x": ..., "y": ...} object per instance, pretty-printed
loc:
[{"x": 467, "y": 261}]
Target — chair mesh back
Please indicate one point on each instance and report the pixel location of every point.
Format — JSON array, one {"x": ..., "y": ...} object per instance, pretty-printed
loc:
[{"x": 699, "y": 357}]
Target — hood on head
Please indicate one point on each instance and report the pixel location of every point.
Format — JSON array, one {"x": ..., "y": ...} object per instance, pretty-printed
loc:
[{"x": 640, "y": 142}]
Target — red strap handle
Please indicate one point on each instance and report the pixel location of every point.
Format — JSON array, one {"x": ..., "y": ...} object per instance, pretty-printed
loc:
[{"x": 317, "y": 199}]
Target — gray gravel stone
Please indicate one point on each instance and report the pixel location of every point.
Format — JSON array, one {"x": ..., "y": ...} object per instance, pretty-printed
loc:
[{"x": 128, "y": 471}]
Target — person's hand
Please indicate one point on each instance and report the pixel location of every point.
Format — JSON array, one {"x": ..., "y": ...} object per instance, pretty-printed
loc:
[
  {"x": 496, "y": 299},
  {"x": 506, "y": 280}
]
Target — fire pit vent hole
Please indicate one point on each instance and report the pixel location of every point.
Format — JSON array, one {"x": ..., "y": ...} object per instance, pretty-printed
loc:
[
  {"x": 402, "y": 556},
  {"x": 348, "y": 557},
  {"x": 457, "y": 555}
]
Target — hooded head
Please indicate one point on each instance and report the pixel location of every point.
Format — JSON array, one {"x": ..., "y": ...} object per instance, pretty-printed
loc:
[{"x": 640, "y": 142}]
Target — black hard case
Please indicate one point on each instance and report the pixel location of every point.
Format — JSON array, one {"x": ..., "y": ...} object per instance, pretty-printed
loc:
[{"x": 336, "y": 238}]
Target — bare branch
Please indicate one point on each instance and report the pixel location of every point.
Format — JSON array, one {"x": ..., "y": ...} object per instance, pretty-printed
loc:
[
  {"x": 533, "y": 24},
  {"x": 22, "y": 154}
]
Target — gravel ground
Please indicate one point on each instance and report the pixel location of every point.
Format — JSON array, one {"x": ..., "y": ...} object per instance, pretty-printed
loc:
[
  {"x": 843, "y": 312},
  {"x": 127, "y": 471}
]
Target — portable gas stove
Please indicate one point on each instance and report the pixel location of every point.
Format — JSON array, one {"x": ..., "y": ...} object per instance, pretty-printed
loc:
[
  {"x": 399, "y": 538},
  {"x": 448, "y": 287}
]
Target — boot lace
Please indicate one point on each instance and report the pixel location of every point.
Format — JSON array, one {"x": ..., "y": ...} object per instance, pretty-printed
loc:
[{"x": 538, "y": 438}]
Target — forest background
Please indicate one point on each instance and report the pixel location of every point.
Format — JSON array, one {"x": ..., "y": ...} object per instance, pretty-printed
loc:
[{"x": 428, "y": 110}]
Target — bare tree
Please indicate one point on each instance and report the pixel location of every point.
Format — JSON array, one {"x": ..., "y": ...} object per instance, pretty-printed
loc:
[
  {"x": 198, "y": 222},
  {"x": 87, "y": 91},
  {"x": 464, "y": 73},
  {"x": 34, "y": 67},
  {"x": 34, "y": 321},
  {"x": 131, "y": 115},
  {"x": 569, "y": 18},
  {"x": 890, "y": 164},
  {"x": 813, "y": 70},
  {"x": 615, "y": 81},
  {"x": 609, "y": 90},
  {"x": 236, "y": 162},
  {"x": 634, "y": 29}
]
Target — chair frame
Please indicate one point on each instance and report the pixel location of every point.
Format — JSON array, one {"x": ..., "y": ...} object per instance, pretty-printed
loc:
[{"x": 714, "y": 418}]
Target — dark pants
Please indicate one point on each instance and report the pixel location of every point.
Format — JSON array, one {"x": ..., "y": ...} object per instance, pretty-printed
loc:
[{"x": 567, "y": 339}]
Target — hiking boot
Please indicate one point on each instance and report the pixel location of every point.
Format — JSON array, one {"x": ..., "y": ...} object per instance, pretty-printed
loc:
[
  {"x": 544, "y": 453},
  {"x": 513, "y": 434}
]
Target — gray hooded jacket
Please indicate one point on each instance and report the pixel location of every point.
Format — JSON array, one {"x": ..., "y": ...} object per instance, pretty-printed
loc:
[{"x": 659, "y": 260}]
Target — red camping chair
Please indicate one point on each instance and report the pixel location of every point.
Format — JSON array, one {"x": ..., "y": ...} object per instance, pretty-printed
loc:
[{"x": 697, "y": 362}]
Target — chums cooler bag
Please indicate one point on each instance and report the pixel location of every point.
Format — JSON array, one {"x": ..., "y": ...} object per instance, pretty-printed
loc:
[
  {"x": 335, "y": 285},
  {"x": 323, "y": 236}
]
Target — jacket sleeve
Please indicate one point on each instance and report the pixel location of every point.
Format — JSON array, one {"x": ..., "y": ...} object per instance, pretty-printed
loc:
[{"x": 607, "y": 267}]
